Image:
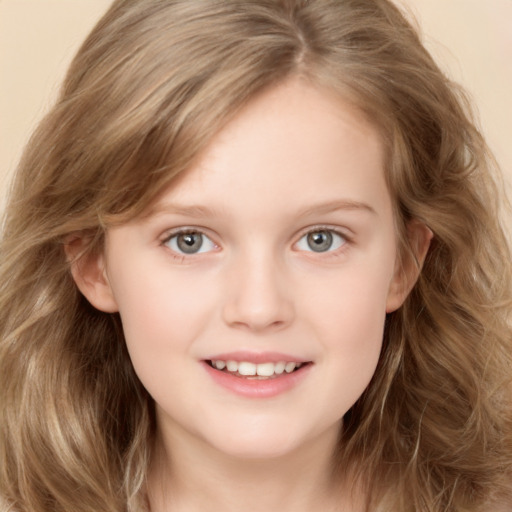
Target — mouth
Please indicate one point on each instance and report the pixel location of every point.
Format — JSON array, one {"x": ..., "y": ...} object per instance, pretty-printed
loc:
[{"x": 256, "y": 371}]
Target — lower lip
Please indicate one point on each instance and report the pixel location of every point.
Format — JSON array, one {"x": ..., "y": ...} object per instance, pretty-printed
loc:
[{"x": 258, "y": 388}]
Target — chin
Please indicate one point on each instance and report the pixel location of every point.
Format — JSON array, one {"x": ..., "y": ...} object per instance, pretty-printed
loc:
[
  {"x": 261, "y": 442},
  {"x": 261, "y": 451}
]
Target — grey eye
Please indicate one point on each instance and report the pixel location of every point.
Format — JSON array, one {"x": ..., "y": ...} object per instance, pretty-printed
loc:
[
  {"x": 322, "y": 240},
  {"x": 191, "y": 242}
]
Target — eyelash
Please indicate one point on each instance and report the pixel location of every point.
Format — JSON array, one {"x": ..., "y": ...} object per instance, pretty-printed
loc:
[
  {"x": 180, "y": 256},
  {"x": 346, "y": 241},
  {"x": 315, "y": 229}
]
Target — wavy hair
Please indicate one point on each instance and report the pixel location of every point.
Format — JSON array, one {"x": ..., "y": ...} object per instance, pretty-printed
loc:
[{"x": 147, "y": 91}]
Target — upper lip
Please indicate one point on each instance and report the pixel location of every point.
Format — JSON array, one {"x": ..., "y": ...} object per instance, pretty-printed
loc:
[{"x": 257, "y": 357}]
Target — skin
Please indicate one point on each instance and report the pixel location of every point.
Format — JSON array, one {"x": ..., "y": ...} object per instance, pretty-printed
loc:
[{"x": 295, "y": 160}]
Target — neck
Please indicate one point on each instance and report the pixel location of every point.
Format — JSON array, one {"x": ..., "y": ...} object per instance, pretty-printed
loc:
[{"x": 191, "y": 476}]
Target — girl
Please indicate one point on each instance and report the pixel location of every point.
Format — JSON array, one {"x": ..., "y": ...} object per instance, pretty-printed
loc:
[{"x": 252, "y": 258}]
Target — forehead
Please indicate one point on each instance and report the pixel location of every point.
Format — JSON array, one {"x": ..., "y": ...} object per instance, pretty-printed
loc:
[{"x": 295, "y": 143}]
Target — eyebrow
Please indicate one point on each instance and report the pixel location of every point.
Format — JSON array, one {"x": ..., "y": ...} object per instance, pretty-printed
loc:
[
  {"x": 335, "y": 205},
  {"x": 196, "y": 211},
  {"x": 201, "y": 211}
]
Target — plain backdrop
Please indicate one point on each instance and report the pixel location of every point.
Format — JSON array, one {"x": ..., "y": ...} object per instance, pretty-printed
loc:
[{"x": 471, "y": 40}]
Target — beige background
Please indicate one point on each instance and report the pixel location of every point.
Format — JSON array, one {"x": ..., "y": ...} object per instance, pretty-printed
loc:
[{"x": 471, "y": 39}]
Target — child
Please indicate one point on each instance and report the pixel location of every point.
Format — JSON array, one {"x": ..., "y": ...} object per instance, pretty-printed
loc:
[{"x": 252, "y": 259}]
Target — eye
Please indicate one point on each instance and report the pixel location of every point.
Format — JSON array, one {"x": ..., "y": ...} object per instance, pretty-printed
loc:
[
  {"x": 189, "y": 242},
  {"x": 321, "y": 240}
]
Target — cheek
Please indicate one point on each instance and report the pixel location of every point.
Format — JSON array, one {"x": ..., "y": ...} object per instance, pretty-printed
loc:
[
  {"x": 350, "y": 303},
  {"x": 348, "y": 315},
  {"x": 161, "y": 317},
  {"x": 354, "y": 335}
]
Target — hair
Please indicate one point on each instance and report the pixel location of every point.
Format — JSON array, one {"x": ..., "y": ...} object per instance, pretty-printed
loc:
[{"x": 147, "y": 91}]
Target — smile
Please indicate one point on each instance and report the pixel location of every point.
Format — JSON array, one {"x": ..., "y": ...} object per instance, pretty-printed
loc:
[{"x": 252, "y": 370}]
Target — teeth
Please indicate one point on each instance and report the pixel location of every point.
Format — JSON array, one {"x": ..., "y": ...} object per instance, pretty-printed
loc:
[
  {"x": 248, "y": 369},
  {"x": 232, "y": 366},
  {"x": 265, "y": 369},
  {"x": 289, "y": 367},
  {"x": 279, "y": 368}
]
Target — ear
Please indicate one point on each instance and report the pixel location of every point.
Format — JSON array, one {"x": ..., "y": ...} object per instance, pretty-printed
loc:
[
  {"x": 408, "y": 269},
  {"x": 89, "y": 273}
]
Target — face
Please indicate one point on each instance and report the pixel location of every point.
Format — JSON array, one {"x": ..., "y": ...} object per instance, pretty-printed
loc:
[{"x": 253, "y": 296}]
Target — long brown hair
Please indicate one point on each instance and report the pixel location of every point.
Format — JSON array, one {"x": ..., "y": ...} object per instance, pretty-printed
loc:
[{"x": 151, "y": 85}]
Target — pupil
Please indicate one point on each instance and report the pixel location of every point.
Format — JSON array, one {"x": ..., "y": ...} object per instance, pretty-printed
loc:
[
  {"x": 190, "y": 243},
  {"x": 320, "y": 241}
]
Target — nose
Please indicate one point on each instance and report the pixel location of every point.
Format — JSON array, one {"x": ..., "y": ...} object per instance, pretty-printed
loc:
[{"x": 259, "y": 296}]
